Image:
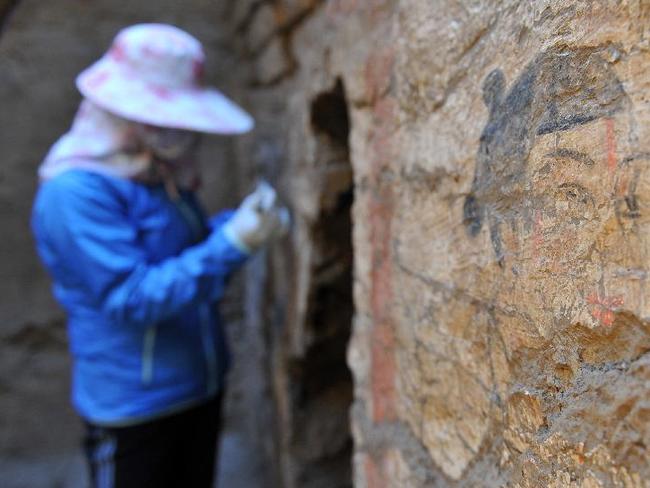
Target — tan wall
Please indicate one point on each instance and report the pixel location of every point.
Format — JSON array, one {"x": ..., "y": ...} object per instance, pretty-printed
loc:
[{"x": 499, "y": 151}]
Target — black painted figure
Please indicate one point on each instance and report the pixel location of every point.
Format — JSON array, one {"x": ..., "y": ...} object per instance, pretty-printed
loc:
[{"x": 560, "y": 89}]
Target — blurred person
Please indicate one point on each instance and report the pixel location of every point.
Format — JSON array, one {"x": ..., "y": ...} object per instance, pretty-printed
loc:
[{"x": 136, "y": 263}]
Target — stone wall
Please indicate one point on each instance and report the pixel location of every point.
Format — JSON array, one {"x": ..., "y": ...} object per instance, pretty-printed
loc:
[
  {"x": 468, "y": 185},
  {"x": 301, "y": 145},
  {"x": 498, "y": 153}
]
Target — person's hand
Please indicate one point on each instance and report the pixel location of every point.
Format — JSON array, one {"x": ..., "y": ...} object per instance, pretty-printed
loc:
[{"x": 258, "y": 220}]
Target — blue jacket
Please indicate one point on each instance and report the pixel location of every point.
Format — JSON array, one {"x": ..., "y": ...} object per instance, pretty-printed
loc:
[{"x": 139, "y": 277}]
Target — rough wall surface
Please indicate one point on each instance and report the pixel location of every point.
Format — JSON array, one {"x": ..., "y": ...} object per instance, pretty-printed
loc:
[
  {"x": 492, "y": 274},
  {"x": 499, "y": 154}
]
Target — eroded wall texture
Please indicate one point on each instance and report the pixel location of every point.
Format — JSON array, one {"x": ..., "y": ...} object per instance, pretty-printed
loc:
[
  {"x": 495, "y": 158},
  {"x": 461, "y": 301}
]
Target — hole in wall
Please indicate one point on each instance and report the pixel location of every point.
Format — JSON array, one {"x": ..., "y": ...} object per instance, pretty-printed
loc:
[
  {"x": 329, "y": 115},
  {"x": 324, "y": 383}
]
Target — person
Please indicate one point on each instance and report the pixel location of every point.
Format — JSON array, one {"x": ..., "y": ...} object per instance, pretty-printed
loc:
[{"x": 138, "y": 266}]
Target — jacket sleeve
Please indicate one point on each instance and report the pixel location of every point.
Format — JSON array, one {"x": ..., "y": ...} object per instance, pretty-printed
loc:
[
  {"x": 87, "y": 240},
  {"x": 221, "y": 218}
]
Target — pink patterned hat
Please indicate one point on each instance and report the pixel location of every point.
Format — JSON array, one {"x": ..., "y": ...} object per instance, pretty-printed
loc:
[{"x": 153, "y": 74}]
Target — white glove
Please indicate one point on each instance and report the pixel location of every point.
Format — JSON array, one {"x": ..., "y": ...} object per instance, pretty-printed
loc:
[{"x": 258, "y": 220}]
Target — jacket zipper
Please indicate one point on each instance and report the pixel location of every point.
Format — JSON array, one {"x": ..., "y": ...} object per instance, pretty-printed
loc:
[
  {"x": 208, "y": 348},
  {"x": 148, "y": 347}
]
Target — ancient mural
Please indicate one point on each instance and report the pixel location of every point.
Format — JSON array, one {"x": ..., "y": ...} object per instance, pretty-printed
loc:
[
  {"x": 561, "y": 89},
  {"x": 501, "y": 360}
]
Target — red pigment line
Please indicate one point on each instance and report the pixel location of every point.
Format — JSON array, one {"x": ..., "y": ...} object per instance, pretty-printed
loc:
[
  {"x": 374, "y": 474},
  {"x": 603, "y": 308},
  {"x": 611, "y": 145},
  {"x": 607, "y": 318},
  {"x": 384, "y": 368}
]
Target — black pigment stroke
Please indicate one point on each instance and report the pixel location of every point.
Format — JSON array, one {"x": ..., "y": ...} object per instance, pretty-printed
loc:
[{"x": 559, "y": 89}]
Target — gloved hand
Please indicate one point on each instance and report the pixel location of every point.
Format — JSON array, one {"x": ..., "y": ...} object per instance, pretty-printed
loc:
[{"x": 258, "y": 220}]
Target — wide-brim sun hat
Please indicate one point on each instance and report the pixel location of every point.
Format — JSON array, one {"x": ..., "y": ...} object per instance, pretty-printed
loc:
[{"x": 153, "y": 74}]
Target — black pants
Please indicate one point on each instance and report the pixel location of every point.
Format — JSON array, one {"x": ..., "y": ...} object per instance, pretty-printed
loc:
[{"x": 176, "y": 451}]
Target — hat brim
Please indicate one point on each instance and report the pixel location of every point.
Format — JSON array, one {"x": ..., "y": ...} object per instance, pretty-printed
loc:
[{"x": 199, "y": 109}]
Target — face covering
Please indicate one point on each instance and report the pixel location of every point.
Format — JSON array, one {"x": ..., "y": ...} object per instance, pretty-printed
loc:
[
  {"x": 170, "y": 145},
  {"x": 101, "y": 142}
]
